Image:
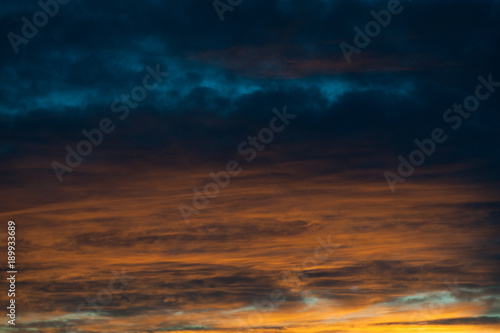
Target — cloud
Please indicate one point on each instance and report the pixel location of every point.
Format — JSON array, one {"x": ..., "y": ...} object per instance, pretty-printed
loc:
[
  {"x": 455, "y": 321},
  {"x": 322, "y": 176}
]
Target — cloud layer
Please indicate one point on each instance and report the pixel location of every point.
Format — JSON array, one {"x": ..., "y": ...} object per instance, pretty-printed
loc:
[{"x": 426, "y": 255}]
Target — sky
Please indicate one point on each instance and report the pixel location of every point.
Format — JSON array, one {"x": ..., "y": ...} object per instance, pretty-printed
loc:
[{"x": 277, "y": 166}]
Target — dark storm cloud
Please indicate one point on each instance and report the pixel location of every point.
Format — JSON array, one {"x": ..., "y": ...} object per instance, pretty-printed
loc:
[{"x": 91, "y": 52}]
